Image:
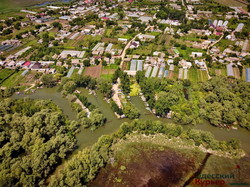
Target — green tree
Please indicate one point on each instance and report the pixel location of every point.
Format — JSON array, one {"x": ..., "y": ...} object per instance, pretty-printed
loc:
[
  {"x": 131, "y": 111},
  {"x": 48, "y": 80}
]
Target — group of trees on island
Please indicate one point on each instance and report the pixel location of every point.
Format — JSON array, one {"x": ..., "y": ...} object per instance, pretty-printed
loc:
[
  {"x": 68, "y": 87},
  {"x": 226, "y": 101}
]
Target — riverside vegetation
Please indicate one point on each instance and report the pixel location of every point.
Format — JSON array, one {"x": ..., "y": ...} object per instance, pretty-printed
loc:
[
  {"x": 85, "y": 165},
  {"x": 36, "y": 136}
]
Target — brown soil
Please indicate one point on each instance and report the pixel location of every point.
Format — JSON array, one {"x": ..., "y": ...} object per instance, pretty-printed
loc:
[
  {"x": 29, "y": 79},
  {"x": 236, "y": 73},
  {"x": 171, "y": 74},
  {"x": 218, "y": 72},
  {"x": 148, "y": 169},
  {"x": 94, "y": 71},
  {"x": 113, "y": 40}
]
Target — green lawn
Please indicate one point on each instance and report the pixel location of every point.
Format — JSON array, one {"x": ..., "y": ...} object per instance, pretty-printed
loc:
[
  {"x": 193, "y": 75},
  {"x": 107, "y": 76},
  {"x": 188, "y": 51},
  {"x": 223, "y": 44},
  {"x": 111, "y": 66},
  {"x": 13, "y": 80},
  {"x": 88, "y": 40},
  {"x": 125, "y": 36},
  {"x": 75, "y": 72},
  {"x": 202, "y": 75},
  {"x": 146, "y": 49},
  {"x": 190, "y": 37},
  {"x": 5, "y": 73},
  {"x": 108, "y": 32},
  {"x": 154, "y": 33},
  {"x": 232, "y": 3}
]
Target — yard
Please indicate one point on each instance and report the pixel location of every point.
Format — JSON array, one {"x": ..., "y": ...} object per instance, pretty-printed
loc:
[
  {"x": 202, "y": 75},
  {"x": 94, "y": 71},
  {"x": 145, "y": 49},
  {"x": 197, "y": 75},
  {"x": 107, "y": 76},
  {"x": 14, "y": 80},
  {"x": 108, "y": 71},
  {"x": 223, "y": 44},
  {"x": 193, "y": 74},
  {"x": 190, "y": 37},
  {"x": 188, "y": 51},
  {"x": 233, "y": 3},
  {"x": 5, "y": 73},
  {"x": 86, "y": 41}
]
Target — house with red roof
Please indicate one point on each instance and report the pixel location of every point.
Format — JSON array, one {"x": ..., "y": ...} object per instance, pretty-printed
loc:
[
  {"x": 105, "y": 18},
  {"x": 27, "y": 64}
]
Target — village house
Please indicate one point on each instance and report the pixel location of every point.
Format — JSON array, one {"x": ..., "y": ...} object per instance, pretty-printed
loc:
[{"x": 196, "y": 54}]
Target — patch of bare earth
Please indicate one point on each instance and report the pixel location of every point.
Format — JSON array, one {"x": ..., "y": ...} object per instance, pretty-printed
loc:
[
  {"x": 171, "y": 74},
  {"x": 94, "y": 72},
  {"x": 218, "y": 72},
  {"x": 236, "y": 73},
  {"x": 148, "y": 169}
]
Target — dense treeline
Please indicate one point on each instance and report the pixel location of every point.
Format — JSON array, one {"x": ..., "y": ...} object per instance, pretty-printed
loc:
[
  {"x": 221, "y": 101},
  {"x": 164, "y": 95},
  {"x": 7, "y": 92},
  {"x": 84, "y": 166},
  {"x": 226, "y": 101},
  {"x": 166, "y": 12},
  {"x": 34, "y": 138}
]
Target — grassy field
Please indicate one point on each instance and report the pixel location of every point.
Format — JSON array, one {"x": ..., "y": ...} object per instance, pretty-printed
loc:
[
  {"x": 5, "y": 73},
  {"x": 107, "y": 76},
  {"x": 107, "y": 32},
  {"x": 202, "y": 75},
  {"x": 232, "y": 3},
  {"x": 13, "y": 80},
  {"x": 193, "y": 74},
  {"x": 146, "y": 49},
  {"x": 188, "y": 51},
  {"x": 15, "y": 5},
  {"x": 223, "y": 44},
  {"x": 111, "y": 66},
  {"x": 190, "y": 37}
]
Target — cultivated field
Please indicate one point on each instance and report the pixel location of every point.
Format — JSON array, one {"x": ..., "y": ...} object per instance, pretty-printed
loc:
[
  {"x": 233, "y": 3},
  {"x": 236, "y": 73},
  {"x": 93, "y": 71},
  {"x": 5, "y": 73}
]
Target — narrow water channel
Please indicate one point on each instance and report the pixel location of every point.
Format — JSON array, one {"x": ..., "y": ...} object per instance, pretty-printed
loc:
[{"x": 87, "y": 137}]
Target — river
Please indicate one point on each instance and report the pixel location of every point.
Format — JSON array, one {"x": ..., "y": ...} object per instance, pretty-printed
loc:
[
  {"x": 52, "y": 2},
  {"x": 87, "y": 137}
]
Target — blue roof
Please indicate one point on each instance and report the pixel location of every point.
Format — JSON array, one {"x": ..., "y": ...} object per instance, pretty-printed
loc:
[
  {"x": 166, "y": 73},
  {"x": 248, "y": 74}
]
